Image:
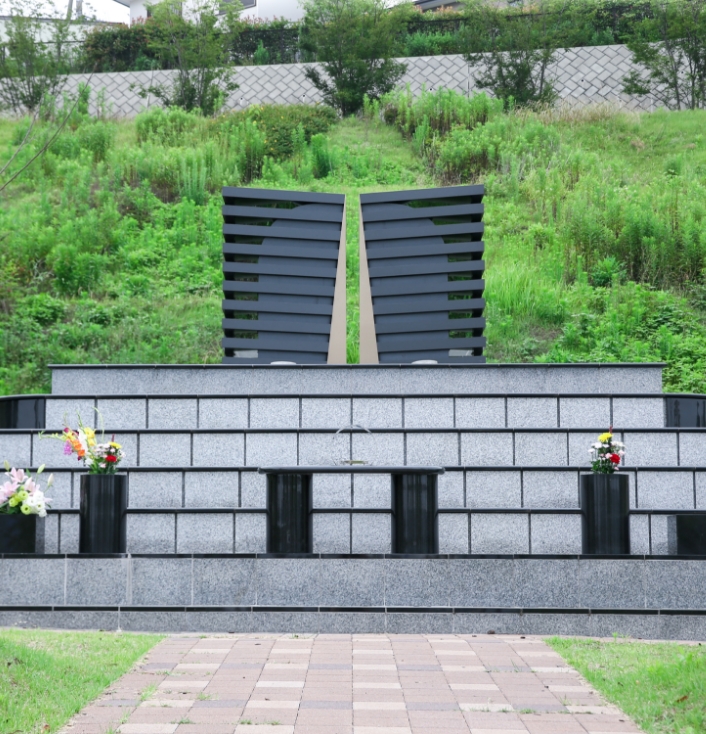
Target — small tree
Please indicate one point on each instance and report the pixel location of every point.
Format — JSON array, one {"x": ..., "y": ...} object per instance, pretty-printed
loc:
[
  {"x": 356, "y": 42},
  {"x": 31, "y": 67},
  {"x": 675, "y": 67},
  {"x": 196, "y": 51},
  {"x": 511, "y": 50}
]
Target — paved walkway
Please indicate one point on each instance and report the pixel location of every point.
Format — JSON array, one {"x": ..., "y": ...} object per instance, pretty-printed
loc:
[{"x": 351, "y": 684}]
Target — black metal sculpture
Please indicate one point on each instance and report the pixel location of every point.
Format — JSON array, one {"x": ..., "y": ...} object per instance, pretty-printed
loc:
[
  {"x": 284, "y": 277},
  {"x": 421, "y": 272}
]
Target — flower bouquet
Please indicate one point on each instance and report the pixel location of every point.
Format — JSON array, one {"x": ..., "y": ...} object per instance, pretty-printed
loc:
[
  {"x": 98, "y": 457},
  {"x": 606, "y": 454},
  {"x": 21, "y": 493}
]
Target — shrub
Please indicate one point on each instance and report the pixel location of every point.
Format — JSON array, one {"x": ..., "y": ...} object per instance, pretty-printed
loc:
[{"x": 169, "y": 126}]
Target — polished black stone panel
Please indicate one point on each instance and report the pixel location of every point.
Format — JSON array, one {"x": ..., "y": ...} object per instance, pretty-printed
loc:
[
  {"x": 21, "y": 533},
  {"x": 24, "y": 412},
  {"x": 686, "y": 412},
  {"x": 289, "y": 518},
  {"x": 686, "y": 534},
  {"x": 103, "y": 512},
  {"x": 605, "y": 508},
  {"x": 415, "y": 513}
]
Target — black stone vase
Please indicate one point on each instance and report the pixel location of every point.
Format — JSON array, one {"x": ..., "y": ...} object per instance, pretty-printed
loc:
[
  {"x": 605, "y": 514},
  {"x": 289, "y": 520},
  {"x": 415, "y": 514},
  {"x": 103, "y": 527},
  {"x": 21, "y": 533}
]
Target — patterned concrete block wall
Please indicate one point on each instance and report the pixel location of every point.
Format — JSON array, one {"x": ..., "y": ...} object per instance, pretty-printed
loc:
[{"x": 585, "y": 75}]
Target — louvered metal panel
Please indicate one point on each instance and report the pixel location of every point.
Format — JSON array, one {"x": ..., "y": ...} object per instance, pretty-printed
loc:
[
  {"x": 284, "y": 275},
  {"x": 421, "y": 276}
]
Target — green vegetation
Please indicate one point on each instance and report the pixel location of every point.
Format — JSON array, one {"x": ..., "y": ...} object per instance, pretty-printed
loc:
[
  {"x": 47, "y": 677},
  {"x": 596, "y": 227},
  {"x": 661, "y": 686}
]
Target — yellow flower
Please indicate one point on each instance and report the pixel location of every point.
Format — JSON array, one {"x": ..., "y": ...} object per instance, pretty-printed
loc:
[
  {"x": 115, "y": 445},
  {"x": 605, "y": 437}
]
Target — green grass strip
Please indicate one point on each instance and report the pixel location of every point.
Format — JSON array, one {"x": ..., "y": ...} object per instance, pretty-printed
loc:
[
  {"x": 47, "y": 677},
  {"x": 661, "y": 686}
]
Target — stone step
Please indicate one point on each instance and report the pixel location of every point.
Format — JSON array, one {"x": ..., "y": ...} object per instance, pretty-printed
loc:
[{"x": 241, "y": 380}]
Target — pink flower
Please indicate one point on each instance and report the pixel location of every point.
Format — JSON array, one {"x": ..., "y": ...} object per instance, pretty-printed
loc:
[
  {"x": 67, "y": 449},
  {"x": 17, "y": 475},
  {"x": 6, "y": 491}
]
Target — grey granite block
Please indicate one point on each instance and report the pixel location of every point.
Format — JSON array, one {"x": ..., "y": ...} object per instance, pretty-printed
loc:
[
  {"x": 17, "y": 449},
  {"x": 383, "y": 449},
  {"x": 692, "y": 449},
  {"x": 218, "y": 449},
  {"x": 683, "y": 627},
  {"x": 66, "y": 411},
  {"x": 640, "y": 626},
  {"x": 274, "y": 380},
  {"x": 700, "y": 479},
  {"x": 223, "y": 413},
  {"x": 253, "y": 490},
  {"x": 639, "y": 535},
  {"x": 271, "y": 449},
  {"x": 416, "y": 582},
  {"x": 324, "y": 449},
  {"x": 377, "y": 412},
  {"x": 372, "y": 490},
  {"x": 172, "y": 413},
  {"x": 638, "y": 413},
  {"x": 550, "y": 489},
  {"x": 250, "y": 532},
  {"x": 119, "y": 414},
  {"x": 155, "y": 489},
  {"x": 329, "y": 380},
  {"x": 205, "y": 533},
  {"x": 534, "y": 412},
  {"x": 165, "y": 449},
  {"x": 224, "y": 582},
  {"x": 533, "y": 449},
  {"x": 675, "y": 584},
  {"x": 326, "y": 413},
  {"x": 480, "y": 413},
  {"x": 381, "y": 380},
  {"x": 486, "y": 449},
  {"x": 450, "y": 489},
  {"x": 650, "y": 449},
  {"x": 672, "y": 490},
  {"x": 429, "y": 412},
  {"x": 274, "y": 412},
  {"x": 331, "y": 490},
  {"x": 351, "y": 623},
  {"x": 211, "y": 489},
  {"x": 289, "y": 582},
  {"x": 659, "y": 535},
  {"x": 36, "y": 581},
  {"x": 97, "y": 581},
  {"x": 579, "y": 448},
  {"x": 161, "y": 581},
  {"x": 151, "y": 533},
  {"x": 611, "y": 584},
  {"x": 499, "y": 533},
  {"x": 419, "y": 623},
  {"x": 556, "y": 534},
  {"x": 51, "y": 534},
  {"x": 161, "y": 622},
  {"x": 352, "y": 582},
  {"x": 217, "y": 621},
  {"x": 491, "y": 489},
  {"x": 545, "y": 583},
  {"x": 584, "y": 412},
  {"x": 69, "y": 534},
  {"x": 433, "y": 449},
  {"x": 481, "y": 583},
  {"x": 453, "y": 533},
  {"x": 332, "y": 533},
  {"x": 482, "y": 623},
  {"x": 285, "y": 622},
  {"x": 60, "y": 491},
  {"x": 570, "y": 625},
  {"x": 82, "y": 620},
  {"x": 371, "y": 533}
]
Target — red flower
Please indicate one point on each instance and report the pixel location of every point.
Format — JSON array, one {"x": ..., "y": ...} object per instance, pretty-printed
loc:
[
  {"x": 614, "y": 458},
  {"x": 110, "y": 458}
]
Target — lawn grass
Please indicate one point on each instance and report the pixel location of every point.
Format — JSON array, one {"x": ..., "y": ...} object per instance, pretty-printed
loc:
[
  {"x": 661, "y": 686},
  {"x": 47, "y": 677}
]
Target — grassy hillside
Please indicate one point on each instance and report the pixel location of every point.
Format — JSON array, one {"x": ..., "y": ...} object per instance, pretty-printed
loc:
[{"x": 110, "y": 246}]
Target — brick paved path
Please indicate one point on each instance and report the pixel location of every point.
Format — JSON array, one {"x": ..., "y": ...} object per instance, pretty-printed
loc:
[{"x": 351, "y": 684}]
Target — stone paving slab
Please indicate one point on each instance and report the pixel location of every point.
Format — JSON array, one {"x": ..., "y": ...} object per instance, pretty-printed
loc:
[{"x": 351, "y": 684}]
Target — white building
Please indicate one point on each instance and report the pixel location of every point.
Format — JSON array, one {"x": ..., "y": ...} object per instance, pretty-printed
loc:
[{"x": 262, "y": 9}]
